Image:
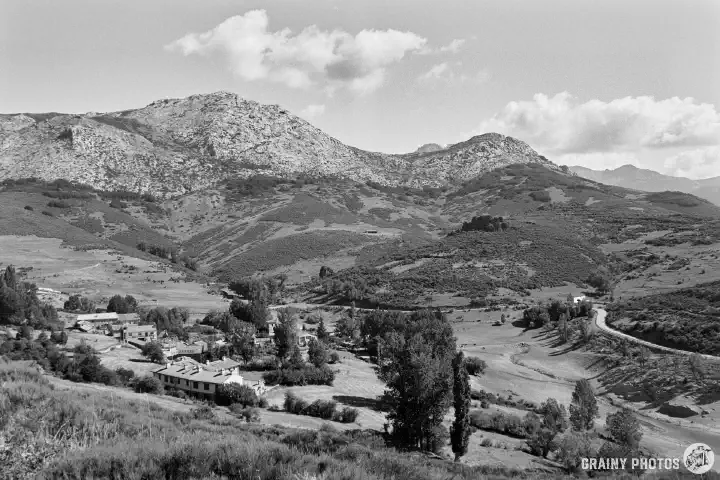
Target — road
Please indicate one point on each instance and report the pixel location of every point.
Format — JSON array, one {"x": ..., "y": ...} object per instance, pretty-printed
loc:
[{"x": 602, "y": 326}]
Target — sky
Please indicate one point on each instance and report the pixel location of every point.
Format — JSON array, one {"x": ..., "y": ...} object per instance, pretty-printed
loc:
[{"x": 584, "y": 82}]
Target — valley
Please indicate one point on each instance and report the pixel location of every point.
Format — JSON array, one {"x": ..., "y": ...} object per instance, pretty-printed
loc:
[{"x": 485, "y": 247}]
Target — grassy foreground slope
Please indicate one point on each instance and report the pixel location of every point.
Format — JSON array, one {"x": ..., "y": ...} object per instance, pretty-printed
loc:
[{"x": 68, "y": 434}]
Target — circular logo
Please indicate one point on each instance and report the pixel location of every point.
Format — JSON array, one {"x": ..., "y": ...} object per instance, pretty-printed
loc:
[{"x": 698, "y": 458}]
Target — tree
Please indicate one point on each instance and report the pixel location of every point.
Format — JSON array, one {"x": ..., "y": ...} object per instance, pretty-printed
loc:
[
  {"x": 460, "y": 430},
  {"x": 600, "y": 280},
  {"x": 503, "y": 319},
  {"x": 643, "y": 355},
  {"x": 572, "y": 448},
  {"x": 286, "y": 335},
  {"x": 554, "y": 420},
  {"x": 231, "y": 393},
  {"x": 624, "y": 428},
  {"x": 78, "y": 303},
  {"x": 697, "y": 366},
  {"x": 153, "y": 351},
  {"x": 318, "y": 353},
  {"x": 121, "y": 305},
  {"x": 322, "y": 333},
  {"x": 583, "y": 407},
  {"x": 149, "y": 384},
  {"x": 563, "y": 327},
  {"x": 245, "y": 347},
  {"x": 475, "y": 365},
  {"x": 416, "y": 364},
  {"x": 325, "y": 271}
]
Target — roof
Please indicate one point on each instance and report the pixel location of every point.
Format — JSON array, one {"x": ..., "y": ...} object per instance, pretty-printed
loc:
[
  {"x": 97, "y": 317},
  {"x": 190, "y": 372},
  {"x": 224, "y": 363},
  {"x": 128, "y": 317},
  {"x": 140, "y": 328}
]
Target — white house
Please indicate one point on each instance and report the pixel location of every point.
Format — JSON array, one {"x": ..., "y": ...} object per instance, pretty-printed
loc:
[
  {"x": 203, "y": 380},
  {"x": 578, "y": 299}
]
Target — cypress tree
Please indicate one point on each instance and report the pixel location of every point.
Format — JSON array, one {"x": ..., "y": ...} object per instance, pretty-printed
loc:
[{"x": 460, "y": 431}]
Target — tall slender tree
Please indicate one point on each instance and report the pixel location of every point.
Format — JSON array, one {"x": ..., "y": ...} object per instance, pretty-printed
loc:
[
  {"x": 583, "y": 407},
  {"x": 460, "y": 430}
]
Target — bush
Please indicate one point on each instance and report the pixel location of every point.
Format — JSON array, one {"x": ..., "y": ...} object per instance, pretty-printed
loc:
[
  {"x": 321, "y": 409},
  {"x": 475, "y": 366},
  {"x": 204, "y": 412},
  {"x": 28, "y": 207},
  {"x": 346, "y": 415},
  {"x": 511, "y": 425},
  {"x": 124, "y": 375},
  {"x": 177, "y": 393},
  {"x": 334, "y": 357},
  {"x": 249, "y": 414},
  {"x": 49, "y": 214},
  {"x": 307, "y": 375},
  {"x": 149, "y": 384},
  {"x": 58, "y": 204},
  {"x": 234, "y": 394},
  {"x": 294, "y": 404}
]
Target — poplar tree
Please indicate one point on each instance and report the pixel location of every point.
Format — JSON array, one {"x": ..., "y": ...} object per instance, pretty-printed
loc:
[{"x": 460, "y": 430}]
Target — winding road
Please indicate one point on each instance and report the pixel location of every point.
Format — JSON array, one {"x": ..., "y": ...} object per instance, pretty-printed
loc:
[{"x": 603, "y": 327}]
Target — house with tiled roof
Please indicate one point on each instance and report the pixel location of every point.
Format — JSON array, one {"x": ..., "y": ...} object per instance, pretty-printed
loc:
[{"x": 202, "y": 381}]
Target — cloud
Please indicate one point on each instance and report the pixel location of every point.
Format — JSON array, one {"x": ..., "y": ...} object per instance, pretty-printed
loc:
[
  {"x": 436, "y": 71},
  {"x": 561, "y": 124},
  {"x": 444, "y": 72},
  {"x": 333, "y": 59},
  {"x": 454, "y": 46},
  {"x": 696, "y": 164},
  {"x": 312, "y": 111}
]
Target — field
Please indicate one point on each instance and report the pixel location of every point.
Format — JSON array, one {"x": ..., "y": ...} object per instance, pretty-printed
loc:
[
  {"x": 100, "y": 274},
  {"x": 529, "y": 365}
]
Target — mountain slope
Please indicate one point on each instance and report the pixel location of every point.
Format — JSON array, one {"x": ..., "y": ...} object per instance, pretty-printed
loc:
[
  {"x": 629, "y": 176},
  {"x": 173, "y": 147}
]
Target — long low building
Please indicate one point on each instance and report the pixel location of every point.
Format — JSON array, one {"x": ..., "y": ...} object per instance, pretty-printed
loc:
[
  {"x": 202, "y": 380},
  {"x": 145, "y": 333}
]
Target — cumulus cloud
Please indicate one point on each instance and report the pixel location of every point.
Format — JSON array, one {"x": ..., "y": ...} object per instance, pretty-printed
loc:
[
  {"x": 695, "y": 164},
  {"x": 561, "y": 124},
  {"x": 333, "y": 59},
  {"x": 312, "y": 111}
]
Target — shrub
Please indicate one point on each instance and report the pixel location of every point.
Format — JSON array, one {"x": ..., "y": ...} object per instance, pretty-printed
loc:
[
  {"x": 149, "y": 384},
  {"x": 28, "y": 207},
  {"x": 294, "y": 404},
  {"x": 321, "y": 409},
  {"x": 475, "y": 366},
  {"x": 334, "y": 357},
  {"x": 307, "y": 375},
  {"x": 124, "y": 375},
  {"x": 204, "y": 412},
  {"x": 234, "y": 394},
  {"x": 58, "y": 204},
  {"x": 249, "y": 414},
  {"x": 177, "y": 393},
  {"x": 49, "y": 214},
  {"x": 346, "y": 415}
]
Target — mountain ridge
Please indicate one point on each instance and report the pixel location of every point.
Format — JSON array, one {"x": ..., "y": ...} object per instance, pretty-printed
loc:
[
  {"x": 630, "y": 176},
  {"x": 173, "y": 147}
]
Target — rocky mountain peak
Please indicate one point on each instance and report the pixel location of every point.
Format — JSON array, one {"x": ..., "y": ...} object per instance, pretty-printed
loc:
[{"x": 174, "y": 146}]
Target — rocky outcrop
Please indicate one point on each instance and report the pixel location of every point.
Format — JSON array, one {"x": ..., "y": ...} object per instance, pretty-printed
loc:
[{"x": 176, "y": 146}]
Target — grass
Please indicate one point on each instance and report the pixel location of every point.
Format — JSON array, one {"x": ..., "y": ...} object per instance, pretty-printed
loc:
[{"x": 72, "y": 434}]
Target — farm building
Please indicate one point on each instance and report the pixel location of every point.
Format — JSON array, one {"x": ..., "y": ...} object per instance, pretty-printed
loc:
[
  {"x": 98, "y": 318},
  {"x": 201, "y": 380},
  {"x": 139, "y": 332}
]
